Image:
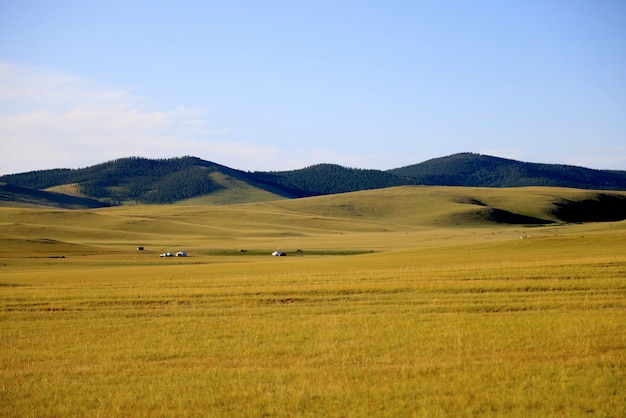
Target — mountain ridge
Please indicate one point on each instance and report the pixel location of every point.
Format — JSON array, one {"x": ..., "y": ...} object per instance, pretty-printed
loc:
[
  {"x": 478, "y": 170},
  {"x": 138, "y": 180}
]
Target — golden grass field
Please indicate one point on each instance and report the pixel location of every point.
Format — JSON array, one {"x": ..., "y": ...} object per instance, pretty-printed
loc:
[{"x": 402, "y": 302}]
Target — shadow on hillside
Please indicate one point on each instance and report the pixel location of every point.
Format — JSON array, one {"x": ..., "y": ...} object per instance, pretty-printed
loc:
[
  {"x": 601, "y": 208},
  {"x": 21, "y": 195},
  {"x": 494, "y": 215},
  {"x": 502, "y": 216},
  {"x": 506, "y": 217}
]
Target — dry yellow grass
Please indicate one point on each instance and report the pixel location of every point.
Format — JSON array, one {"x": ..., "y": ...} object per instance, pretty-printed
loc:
[
  {"x": 439, "y": 320},
  {"x": 68, "y": 189}
]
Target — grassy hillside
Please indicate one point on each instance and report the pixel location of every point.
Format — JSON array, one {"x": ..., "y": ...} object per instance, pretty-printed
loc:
[
  {"x": 402, "y": 302},
  {"x": 232, "y": 191},
  {"x": 446, "y": 206},
  {"x": 417, "y": 215}
]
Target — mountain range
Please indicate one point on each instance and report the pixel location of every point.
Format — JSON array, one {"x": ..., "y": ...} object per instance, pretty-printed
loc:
[{"x": 138, "y": 180}]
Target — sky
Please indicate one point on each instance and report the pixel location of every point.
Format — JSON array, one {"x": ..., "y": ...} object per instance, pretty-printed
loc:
[{"x": 281, "y": 85}]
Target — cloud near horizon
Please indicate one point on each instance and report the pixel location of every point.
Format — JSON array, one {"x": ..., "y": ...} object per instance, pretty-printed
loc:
[
  {"x": 54, "y": 120},
  {"x": 51, "y": 120}
]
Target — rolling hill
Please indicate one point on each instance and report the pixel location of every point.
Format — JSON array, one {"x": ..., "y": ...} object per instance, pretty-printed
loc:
[
  {"x": 382, "y": 219},
  {"x": 192, "y": 180}
]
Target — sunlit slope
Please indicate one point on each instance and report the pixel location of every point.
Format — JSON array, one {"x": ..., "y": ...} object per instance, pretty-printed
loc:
[
  {"x": 376, "y": 220},
  {"x": 234, "y": 191},
  {"x": 424, "y": 206},
  {"x": 72, "y": 189}
]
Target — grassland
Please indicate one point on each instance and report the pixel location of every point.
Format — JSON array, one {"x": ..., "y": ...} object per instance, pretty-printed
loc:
[{"x": 402, "y": 302}]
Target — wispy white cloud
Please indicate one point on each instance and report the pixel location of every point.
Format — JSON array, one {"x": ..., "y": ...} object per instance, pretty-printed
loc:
[{"x": 50, "y": 120}]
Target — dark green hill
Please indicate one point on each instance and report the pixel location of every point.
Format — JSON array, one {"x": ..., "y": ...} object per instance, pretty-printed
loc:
[
  {"x": 476, "y": 170},
  {"x": 322, "y": 179},
  {"x": 142, "y": 180},
  {"x": 131, "y": 180},
  {"x": 147, "y": 181}
]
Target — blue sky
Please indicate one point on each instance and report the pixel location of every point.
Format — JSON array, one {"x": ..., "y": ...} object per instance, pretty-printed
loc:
[{"x": 280, "y": 85}]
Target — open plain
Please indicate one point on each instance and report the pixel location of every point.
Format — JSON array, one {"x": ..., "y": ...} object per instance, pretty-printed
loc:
[{"x": 408, "y": 301}]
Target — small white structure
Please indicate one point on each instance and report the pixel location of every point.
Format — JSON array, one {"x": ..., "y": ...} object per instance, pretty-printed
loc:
[
  {"x": 166, "y": 255},
  {"x": 181, "y": 254},
  {"x": 279, "y": 254}
]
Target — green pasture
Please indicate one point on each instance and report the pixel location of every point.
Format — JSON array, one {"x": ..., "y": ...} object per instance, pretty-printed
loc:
[{"x": 400, "y": 302}]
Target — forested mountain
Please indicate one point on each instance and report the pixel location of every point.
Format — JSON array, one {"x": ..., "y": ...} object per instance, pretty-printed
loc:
[
  {"x": 135, "y": 180},
  {"x": 141, "y": 180},
  {"x": 476, "y": 170},
  {"x": 324, "y": 179}
]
